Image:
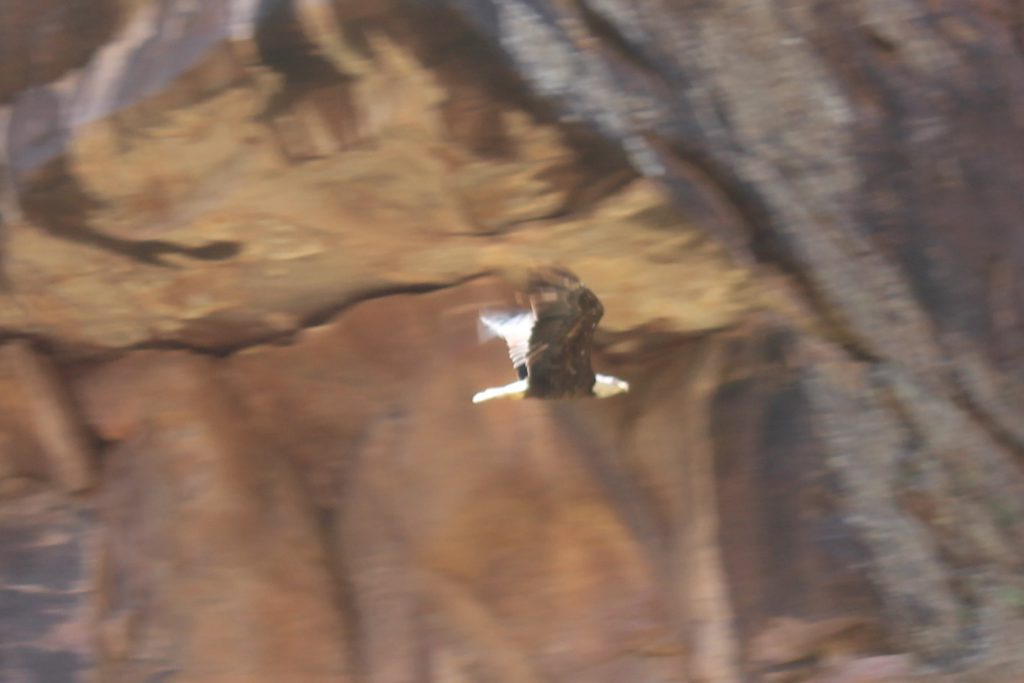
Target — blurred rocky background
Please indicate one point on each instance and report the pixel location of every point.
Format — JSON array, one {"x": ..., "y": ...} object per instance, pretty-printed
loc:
[{"x": 243, "y": 244}]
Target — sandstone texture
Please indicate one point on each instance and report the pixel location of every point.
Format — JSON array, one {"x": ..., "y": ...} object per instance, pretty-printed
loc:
[{"x": 242, "y": 250}]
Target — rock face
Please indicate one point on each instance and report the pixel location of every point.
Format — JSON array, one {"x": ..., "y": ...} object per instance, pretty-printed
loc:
[
  {"x": 47, "y": 582},
  {"x": 244, "y": 245}
]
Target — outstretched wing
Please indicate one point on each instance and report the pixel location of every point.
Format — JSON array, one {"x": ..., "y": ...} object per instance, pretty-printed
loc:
[
  {"x": 566, "y": 315},
  {"x": 515, "y": 327}
]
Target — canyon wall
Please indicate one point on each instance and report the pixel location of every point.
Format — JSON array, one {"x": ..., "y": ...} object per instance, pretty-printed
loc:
[{"x": 243, "y": 245}]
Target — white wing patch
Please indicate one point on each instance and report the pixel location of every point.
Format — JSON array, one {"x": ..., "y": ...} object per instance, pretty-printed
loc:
[
  {"x": 514, "y": 327},
  {"x": 514, "y": 390}
]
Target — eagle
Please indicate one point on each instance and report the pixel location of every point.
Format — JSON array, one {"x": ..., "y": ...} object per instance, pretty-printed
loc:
[{"x": 549, "y": 344}]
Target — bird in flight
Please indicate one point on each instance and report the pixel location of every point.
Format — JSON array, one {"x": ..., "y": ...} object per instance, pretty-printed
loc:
[{"x": 549, "y": 344}]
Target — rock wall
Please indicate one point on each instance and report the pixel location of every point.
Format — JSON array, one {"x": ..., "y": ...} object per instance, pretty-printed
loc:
[{"x": 244, "y": 245}]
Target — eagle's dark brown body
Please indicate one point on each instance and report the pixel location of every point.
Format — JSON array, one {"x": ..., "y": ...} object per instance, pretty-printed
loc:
[
  {"x": 550, "y": 343},
  {"x": 566, "y": 315}
]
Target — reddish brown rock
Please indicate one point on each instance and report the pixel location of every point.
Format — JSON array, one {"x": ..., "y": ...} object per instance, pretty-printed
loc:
[
  {"x": 42, "y": 434},
  {"x": 832, "y": 491},
  {"x": 40, "y": 41},
  {"x": 605, "y": 527},
  {"x": 211, "y": 567},
  {"x": 497, "y": 554}
]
